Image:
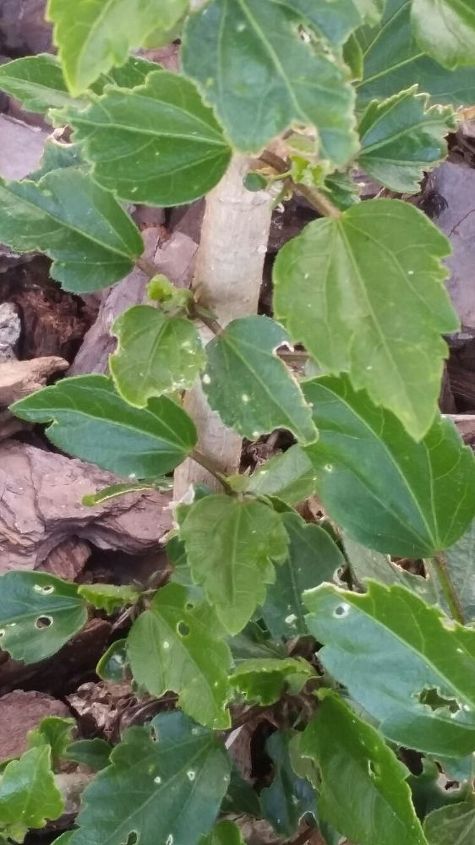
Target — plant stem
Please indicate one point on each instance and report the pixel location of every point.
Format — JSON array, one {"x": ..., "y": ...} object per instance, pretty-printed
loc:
[
  {"x": 208, "y": 464},
  {"x": 440, "y": 567},
  {"x": 147, "y": 267},
  {"x": 319, "y": 201},
  {"x": 207, "y": 319}
]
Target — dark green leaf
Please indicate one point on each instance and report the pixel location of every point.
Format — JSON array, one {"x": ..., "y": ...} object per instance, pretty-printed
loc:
[
  {"x": 93, "y": 36},
  {"x": 38, "y": 614},
  {"x": 363, "y": 790},
  {"x": 452, "y": 825},
  {"x": 29, "y": 796},
  {"x": 66, "y": 215},
  {"x": 401, "y": 139},
  {"x": 91, "y": 421},
  {"x": 290, "y": 797},
  {"x": 157, "y": 143},
  {"x": 166, "y": 792},
  {"x": 94, "y": 753},
  {"x": 173, "y": 647},
  {"x": 265, "y": 680},
  {"x": 283, "y": 80},
  {"x": 406, "y": 663},
  {"x": 55, "y": 732},
  {"x": 446, "y": 30},
  {"x": 249, "y": 386},
  {"x": 156, "y": 354},
  {"x": 421, "y": 497},
  {"x": 241, "y": 797},
  {"x": 335, "y": 19},
  {"x": 312, "y": 558},
  {"x": 108, "y": 597},
  {"x": 113, "y": 665},
  {"x": 289, "y": 476},
  {"x": 460, "y": 562},
  {"x": 394, "y": 61},
  {"x": 37, "y": 81},
  {"x": 365, "y": 294},
  {"x": 230, "y": 545}
]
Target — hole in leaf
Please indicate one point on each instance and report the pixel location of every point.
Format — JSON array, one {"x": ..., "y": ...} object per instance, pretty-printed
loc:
[
  {"x": 189, "y": 605},
  {"x": 341, "y": 610},
  {"x": 153, "y": 734},
  {"x": 44, "y": 590},
  {"x": 43, "y": 622},
  {"x": 2, "y": 632},
  {"x": 436, "y": 701},
  {"x": 373, "y": 769},
  {"x": 183, "y": 629},
  {"x": 133, "y": 838}
]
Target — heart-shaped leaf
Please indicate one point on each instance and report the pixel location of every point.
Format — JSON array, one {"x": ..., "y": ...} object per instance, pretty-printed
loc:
[
  {"x": 365, "y": 294},
  {"x": 89, "y": 420}
]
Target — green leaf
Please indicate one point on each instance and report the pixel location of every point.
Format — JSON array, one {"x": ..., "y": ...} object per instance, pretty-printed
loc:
[
  {"x": 249, "y": 386},
  {"x": 113, "y": 665},
  {"x": 445, "y": 29},
  {"x": 335, "y": 19},
  {"x": 365, "y": 294},
  {"x": 37, "y": 81},
  {"x": 93, "y": 35},
  {"x": 451, "y": 825},
  {"x": 241, "y": 797},
  {"x": 283, "y": 81},
  {"x": 172, "y": 646},
  {"x": 157, "y": 353},
  {"x": 394, "y": 61},
  {"x": 38, "y": 614},
  {"x": 401, "y": 139},
  {"x": 290, "y": 797},
  {"x": 230, "y": 545},
  {"x": 411, "y": 667},
  {"x": 91, "y": 421},
  {"x": 29, "y": 796},
  {"x": 460, "y": 563},
  {"x": 108, "y": 597},
  {"x": 164, "y": 791},
  {"x": 312, "y": 558},
  {"x": 289, "y": 476},
  {"x": 366, "y": 564},
  {"x": 157, "y": 143},
  {"x": 115, "y": 490},
  {"x": 94, "y": 753},
  {"x": 224, "y": 833},
  {"x": 91, "y": 239},
  {"x": 363, "y": 790},
  {"x": 387, "y": 491},
  {"x": 55, "y": 732},
  {"x": 265, "y": 680}
]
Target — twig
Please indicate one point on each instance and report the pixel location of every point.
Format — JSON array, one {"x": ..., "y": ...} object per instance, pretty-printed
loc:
[
  {"x": 148, "y": 267},
  {"x": 319, "y": 201},
  {"x": 202, "y": 314},
  {"x": 310, "y": 836}
]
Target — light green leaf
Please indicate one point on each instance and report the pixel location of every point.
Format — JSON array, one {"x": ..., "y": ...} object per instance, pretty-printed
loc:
[
  {"x": 289, "y": 797},
  {"x": 113, "y": 665},
  {"x": 224, "y": 833},
  {"x": 451, "y": 825},
  {"x": 108, "y": 597},
  {"x": 283, "y": 81},
  {"x": 38, "y": 614},
  {"x": 363, "y": 790},
  {"x": 171, "y": 647},
  {"x": 89, "y": 420},
  {"x": 249, "y": 386},
  {"x": 55, "y": 732},
  {"x": 394, "y": 61},
  {"x": 164, "y": 791},
  {"x": 95, "y": 35},
  {"x": 157, "y": 353},
  {"x": 37, "y": 81},
  {"x": 94, "y": 753},
  {"x": 289, "y": 476},
  {"x": 230, "y": 545},
  {"x": 157, "y": 143},
  {"x": 312, "y": 558},
  {"x": 401, "y": 139},
  {"x": 365, "y": 294},
  {"x": 420, "y": 499},
  {"x": 66, "y": 215},
  {"x": 445, "y": 29},
  {"x": 29, "y": 796},
  {"x": 411, "y": 667},
  {"x": 265, "y": 680},
  {"x": 460, "y": 564}
]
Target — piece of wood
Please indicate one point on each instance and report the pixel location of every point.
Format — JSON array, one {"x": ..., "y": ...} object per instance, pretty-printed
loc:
[{"x": 19, "y": 378}]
